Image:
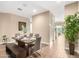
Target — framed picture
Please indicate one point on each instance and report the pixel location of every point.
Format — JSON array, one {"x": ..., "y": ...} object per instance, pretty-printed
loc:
[{"x": 21, "y": 26}]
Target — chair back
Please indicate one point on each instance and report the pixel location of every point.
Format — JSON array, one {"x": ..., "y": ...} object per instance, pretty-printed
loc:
[
  {"x": 37, "y": 44},
  {"x": 36, "y": 35}
]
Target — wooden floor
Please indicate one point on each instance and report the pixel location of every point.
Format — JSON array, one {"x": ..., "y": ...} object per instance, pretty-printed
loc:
[
  {"x": 3, "y": 53},
  {"x": 55, "y": 50}
]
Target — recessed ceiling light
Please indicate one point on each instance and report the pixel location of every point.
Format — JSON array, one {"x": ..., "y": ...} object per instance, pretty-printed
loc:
[
  {"x": 25, "y": 5},
  {"x": 34, "y": 10}
]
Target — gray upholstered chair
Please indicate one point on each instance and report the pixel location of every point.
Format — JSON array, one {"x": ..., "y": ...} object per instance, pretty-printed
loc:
[
  {"x": 36, "y": 35},
  {"x": 17, "y": 34},
  {"x": 36, "y": 46}
]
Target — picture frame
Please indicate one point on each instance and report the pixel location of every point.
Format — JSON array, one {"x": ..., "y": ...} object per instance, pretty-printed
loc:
[{"x": 21, "y": 25}]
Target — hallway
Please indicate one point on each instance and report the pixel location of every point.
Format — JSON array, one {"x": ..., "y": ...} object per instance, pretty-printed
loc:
[
  {"x": 60, "y": 47},
  {"x": 57, "y": 50}
]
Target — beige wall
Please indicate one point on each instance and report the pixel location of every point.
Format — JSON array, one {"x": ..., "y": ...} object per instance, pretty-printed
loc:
[
  {"x": 9, "y": 24},
  {"x": 71, "y": 8},
  {"x": 40, "y": 24}
]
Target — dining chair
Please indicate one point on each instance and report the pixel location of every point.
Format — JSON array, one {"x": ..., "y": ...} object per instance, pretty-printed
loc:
[
  {"x": 36, "y": 46},
  {"x": 36, "y": 35},
  {"x": 17, "y": 34}
]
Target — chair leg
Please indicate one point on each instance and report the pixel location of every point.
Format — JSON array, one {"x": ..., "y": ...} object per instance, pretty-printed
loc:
[
  {"x": 30, "y": 51},
  {"x": 38, "y": 53}
]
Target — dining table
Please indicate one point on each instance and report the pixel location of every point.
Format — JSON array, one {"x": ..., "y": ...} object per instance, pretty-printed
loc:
[{"x": 26, "y": 42}]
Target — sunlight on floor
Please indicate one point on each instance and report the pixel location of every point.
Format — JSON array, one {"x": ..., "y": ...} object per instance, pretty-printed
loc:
[{"x": 60, "y": 47}]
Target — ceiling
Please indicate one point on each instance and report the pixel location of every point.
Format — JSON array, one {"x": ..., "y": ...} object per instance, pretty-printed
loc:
[{"x": 26, "y": 7}]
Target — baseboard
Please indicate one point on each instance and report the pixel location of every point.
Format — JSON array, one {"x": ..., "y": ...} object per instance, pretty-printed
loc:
[
  {"x": 6, "y": 42},
  {"x": 45, "y": 43}
]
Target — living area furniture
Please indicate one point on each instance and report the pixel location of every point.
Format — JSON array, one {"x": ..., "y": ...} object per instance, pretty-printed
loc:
[{"x": 15, "y": 51}]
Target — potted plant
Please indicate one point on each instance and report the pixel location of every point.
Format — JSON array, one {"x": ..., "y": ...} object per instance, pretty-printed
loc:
[{"x": 71, "y": 31}]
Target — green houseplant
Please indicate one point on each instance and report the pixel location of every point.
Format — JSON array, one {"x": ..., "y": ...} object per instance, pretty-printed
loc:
[{"x": 72, "y": 30}]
